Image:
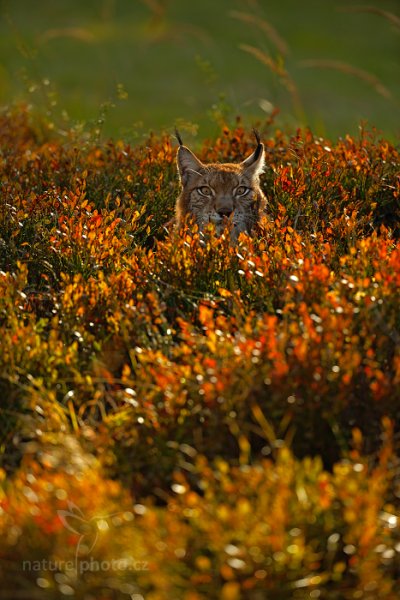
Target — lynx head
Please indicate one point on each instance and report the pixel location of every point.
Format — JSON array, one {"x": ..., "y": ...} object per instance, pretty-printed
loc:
[{"x": 226, "y": 194}]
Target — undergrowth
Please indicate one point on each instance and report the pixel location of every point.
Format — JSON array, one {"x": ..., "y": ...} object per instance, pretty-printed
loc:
[{"x": 222, "y": 418}]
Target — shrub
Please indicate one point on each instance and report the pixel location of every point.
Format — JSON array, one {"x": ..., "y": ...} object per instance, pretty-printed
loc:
[{"x": 222, "y": 390}]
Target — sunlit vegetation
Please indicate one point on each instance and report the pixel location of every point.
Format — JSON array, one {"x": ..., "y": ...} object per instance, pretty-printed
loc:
[{"x": 183, "y": 418}]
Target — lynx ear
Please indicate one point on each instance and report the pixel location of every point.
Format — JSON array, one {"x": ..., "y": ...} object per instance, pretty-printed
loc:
[
  {"x": 254, "y": 164},
  {"x": 188, "y": 163}
]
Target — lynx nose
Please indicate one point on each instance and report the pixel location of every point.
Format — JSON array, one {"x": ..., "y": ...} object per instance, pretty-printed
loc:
[{"x": 225, "y": 212}]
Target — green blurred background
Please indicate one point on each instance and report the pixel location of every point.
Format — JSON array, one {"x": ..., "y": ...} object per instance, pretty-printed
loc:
[{"x": 141, "y": 65}]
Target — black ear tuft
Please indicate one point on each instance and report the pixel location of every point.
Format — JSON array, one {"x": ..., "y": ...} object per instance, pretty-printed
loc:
[
  {"x": 257, "y": 136},
  {"x": 178, "y": 137},
  {"x": 259, "y": 148}
]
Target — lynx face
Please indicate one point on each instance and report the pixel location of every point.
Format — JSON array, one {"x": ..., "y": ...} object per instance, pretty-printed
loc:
[{"x": 228, "y": 194}]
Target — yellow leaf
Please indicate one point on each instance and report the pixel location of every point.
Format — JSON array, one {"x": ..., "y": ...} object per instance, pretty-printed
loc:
[
  {"x": 203, "y": 563},
  {"x": 224, "y": 293},
  {"x": 231, "y": 591}
]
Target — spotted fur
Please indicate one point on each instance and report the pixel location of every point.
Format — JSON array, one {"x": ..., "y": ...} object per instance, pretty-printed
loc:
[{"x": 226, "y": 194}]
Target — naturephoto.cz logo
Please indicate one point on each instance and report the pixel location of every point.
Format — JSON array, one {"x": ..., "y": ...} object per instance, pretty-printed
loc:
[{"x": 87, "y": 532}]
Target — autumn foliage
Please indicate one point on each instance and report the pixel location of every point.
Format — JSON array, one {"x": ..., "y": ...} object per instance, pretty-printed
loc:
[{"x": 184, "y": 418}]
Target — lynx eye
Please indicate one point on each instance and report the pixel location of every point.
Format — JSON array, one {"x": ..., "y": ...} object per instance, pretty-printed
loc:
[
  {"x": 204, "y": 190},
  {"x": 242, "y": 190}
]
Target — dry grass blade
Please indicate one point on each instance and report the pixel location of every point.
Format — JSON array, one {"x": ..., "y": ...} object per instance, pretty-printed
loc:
[
  {"x": 266, "y": 27},
  {"x": 163, "y": 30},
  {"x": 78, "y": 33},
  {"x": 262, "y": 57},
  {"x": 156, "y": 7},
  {"x": 343, "y": 67},
  {"x": 389, "y": 16},
  {"x": 277, "y": 67}
]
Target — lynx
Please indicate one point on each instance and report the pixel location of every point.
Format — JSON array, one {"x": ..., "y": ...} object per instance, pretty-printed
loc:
[{"x": 225, "y": 194}]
